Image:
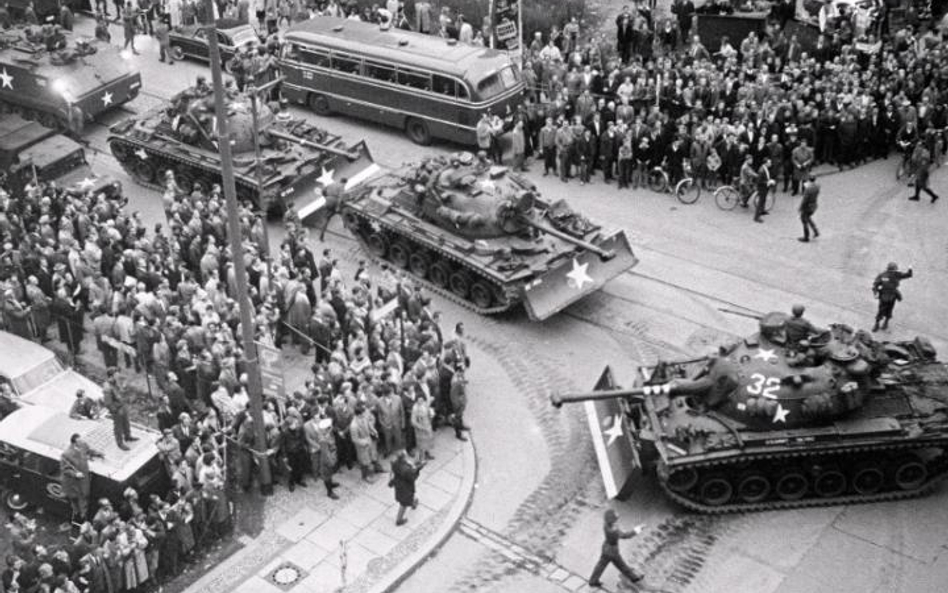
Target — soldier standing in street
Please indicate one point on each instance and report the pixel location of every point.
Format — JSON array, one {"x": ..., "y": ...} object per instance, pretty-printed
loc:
[
  {"x": 459, "y": 402},
  {"x": 886, "y": 289},
  {"x": 115, "y": 403},
  {"x": 610, "y": 550},
  {"x": 923, "y": 161},
  {"x": 811, "y": 192},
  {"x": 76, "y": 481}
]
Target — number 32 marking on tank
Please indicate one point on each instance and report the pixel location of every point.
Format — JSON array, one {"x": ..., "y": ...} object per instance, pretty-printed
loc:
[{"x": 765, "y": 386}]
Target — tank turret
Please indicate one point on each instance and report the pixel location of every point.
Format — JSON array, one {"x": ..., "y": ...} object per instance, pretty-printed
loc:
[
  {"x": 296, "y": 158},
  {"x": 486, "y": 236},
  {"x": 767, "y": 422}
]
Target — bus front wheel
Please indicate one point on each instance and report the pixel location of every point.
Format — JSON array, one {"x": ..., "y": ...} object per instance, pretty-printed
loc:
[
  {"x": 319, "y": 104},
  {"x": 417, "y": 131}
]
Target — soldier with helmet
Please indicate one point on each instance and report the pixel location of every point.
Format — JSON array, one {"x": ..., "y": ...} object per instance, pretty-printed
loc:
[
  {"x": 886, "y": 290},
  {"x": 610, "y": 550},
  {"x": 798, "y": 328}
]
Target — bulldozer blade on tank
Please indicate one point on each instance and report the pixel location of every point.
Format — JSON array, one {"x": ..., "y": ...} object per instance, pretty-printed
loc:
[
  {"x": 308, "y": 205},
  {"x": 577, "y": 277},
  {"x": 613, "y": 441}
]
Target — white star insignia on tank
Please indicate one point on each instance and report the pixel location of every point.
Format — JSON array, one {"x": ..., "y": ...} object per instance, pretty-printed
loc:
[
  {"x": 7, "y": 79},
  {"x": 107, "y": 99},
  {"x": 781, "y": 414},
  {"x": 326, "y": 177},
  {"x": 86, "y": 183},
  {"x": 140, "y": 153},
  {"x": 614, "y": 431},
  {"x": 578, "y": 276},
  {"x": 766, "y": 354}
]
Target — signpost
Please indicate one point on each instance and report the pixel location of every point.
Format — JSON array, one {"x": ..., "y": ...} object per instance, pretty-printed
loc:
[
  {"x": 506, "y": 27},
  {"x": 271, "y": 371}
]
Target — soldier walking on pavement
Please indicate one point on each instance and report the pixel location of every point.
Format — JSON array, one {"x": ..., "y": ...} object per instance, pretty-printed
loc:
[
  {"x": 610, "y": 550},
  {"x": 811, "y": 192},
  {"x": 922, "y": 164},
  {"x": 886, "y": 289},
  {"x": 459, "y": 402}
]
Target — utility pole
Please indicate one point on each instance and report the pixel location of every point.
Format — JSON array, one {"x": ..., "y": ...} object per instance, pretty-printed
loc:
[{"x": 254, "y": 386}]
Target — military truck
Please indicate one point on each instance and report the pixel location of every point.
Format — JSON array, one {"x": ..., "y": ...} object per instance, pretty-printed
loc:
[
  {"x": 60, "y": 79},
  {"x": 29, "y": 150},
  {"x": 35, "y": 428}
]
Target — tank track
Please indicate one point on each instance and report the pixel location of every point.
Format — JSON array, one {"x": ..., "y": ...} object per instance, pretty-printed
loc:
[
  {"x": 840, "y": 458},
  {"x": 246, "y": 190},
  {"x": 366, "y": 224},
  {"x": 50, "y": 119}
]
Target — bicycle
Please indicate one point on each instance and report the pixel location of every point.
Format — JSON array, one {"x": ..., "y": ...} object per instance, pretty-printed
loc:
[
  {"x": 657, "y": 180},
  {"x": 727, "y": 197},
  {"x": 688, "y": 190}
]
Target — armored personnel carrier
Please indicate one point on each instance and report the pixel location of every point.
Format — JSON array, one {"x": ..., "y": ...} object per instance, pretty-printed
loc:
[
  {"x": 62, "y": 80},
  {"x": 29, "y": 150},
  {"x": 295, "y": 157},
  {"x": 767, "y": 423},
  {"x": 480, "y": 235}
]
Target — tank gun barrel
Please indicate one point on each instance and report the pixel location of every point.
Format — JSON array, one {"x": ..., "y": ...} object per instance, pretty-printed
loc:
[
  {"x": 605, "y": 254},
  {"x": 558, "y": 399},
  {"x": 349, "y": 154}
]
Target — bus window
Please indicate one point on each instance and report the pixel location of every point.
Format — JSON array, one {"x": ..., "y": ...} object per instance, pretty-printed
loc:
[
  {"x": 291, "y": 51},
  {"x": 497, "y": 83},
  {"x": 414, "y": 79},
  {"x": 315, "y": 58},
  {"x": 379, "y": 71},
  {"x": 344, "y": 63},
  {"x": 443, "y": 86},
  {"x": 462, "y": 91}
]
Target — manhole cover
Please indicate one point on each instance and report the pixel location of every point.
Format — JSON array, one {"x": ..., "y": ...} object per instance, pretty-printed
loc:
[{"x": 287, "y": 575}]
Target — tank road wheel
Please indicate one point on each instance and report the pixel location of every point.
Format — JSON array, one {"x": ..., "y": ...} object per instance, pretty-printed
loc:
[
  {"x": 378, "y": 245},
  {"x": 417, "y": 131},
  {"x": 682, "y": 480},
  {"x": 418, "y": 263},
  {"x": 184, "y": 181},
  {"x": 460, "y": 284},
  {"x": 715, "y": 490},
  {"x": 319, "y": 104},
  {"x": 440, "y": 274},
  {"x": 753, "y": 488},
  {"x": 399, "y": 254},
  {"x": 177, "y": 53},
  {"x": 726, "y": 197},
  {"x": 119, "y": 150},
  {"x": 792, "y": 485},
  {"x": 143, "y": 171},
  {"x": 482, "y": 295},
  {"x": 868, "y": 479},
  {"x": 829, "y": 483},
  {"x": 910, "y": 473},
  {"x": 49, "y": 120}
]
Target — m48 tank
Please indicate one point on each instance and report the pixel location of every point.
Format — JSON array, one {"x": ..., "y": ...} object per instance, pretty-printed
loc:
[
  {"x": 60, "y": 79},
  {"x": 295, "y": 157},
  {"x": 767, "y": 423},
  {"x": 480, "y": 235}
]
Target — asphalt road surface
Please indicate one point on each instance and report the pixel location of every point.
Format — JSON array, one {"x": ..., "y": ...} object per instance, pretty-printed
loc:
[{"x": 538, "y": 487}]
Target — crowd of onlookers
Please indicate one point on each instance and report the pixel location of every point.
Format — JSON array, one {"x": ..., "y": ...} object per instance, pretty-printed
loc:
[
  {"x": 162, "y": 301},
  {"x": 653, "y": 95}
]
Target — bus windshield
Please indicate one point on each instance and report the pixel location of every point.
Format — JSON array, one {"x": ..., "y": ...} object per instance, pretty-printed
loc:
[{"x": 497, "y": 83}]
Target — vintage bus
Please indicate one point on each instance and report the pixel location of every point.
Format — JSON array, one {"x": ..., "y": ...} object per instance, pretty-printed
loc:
[{"x": 428, "y": 86}]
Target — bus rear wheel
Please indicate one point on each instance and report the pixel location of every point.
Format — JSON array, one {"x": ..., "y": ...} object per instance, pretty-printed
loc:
[
  {"x": 319, "y": 104},
  {"x": 417, "y": 131}
]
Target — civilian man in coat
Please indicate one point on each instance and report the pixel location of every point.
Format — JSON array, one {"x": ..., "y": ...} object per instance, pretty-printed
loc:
[
  {"x": 76, "y": 480},
  {"x": 114, "y": 401},
  {"x": 404, "y": 475}
]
